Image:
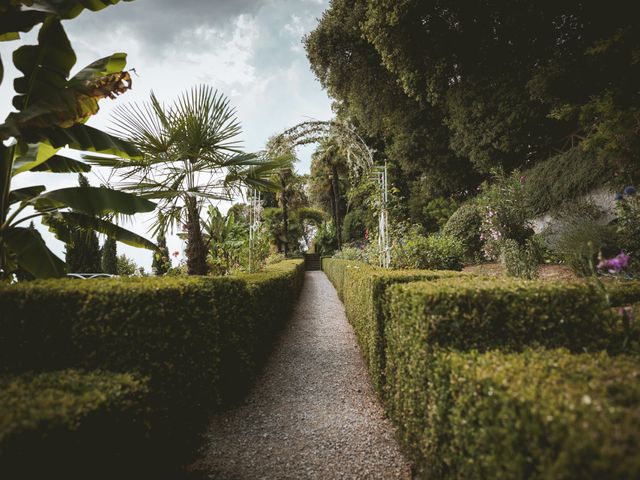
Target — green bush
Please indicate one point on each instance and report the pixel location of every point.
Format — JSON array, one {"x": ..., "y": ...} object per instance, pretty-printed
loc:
[
  {"x": 464, "y": 225},
  {"x": 580, "y": 235},
  {"x": 521, "y": 261},
  {"x": 433, "y": 252},
  {"x": 335, "y": 269},
  {"x": 364, "y": 293},
  {"x": 484, "y": 313},
  {"x": 70, "y": 424},
  {"x": 536, "y": 414},
  {"x": 187, "y": 335}
]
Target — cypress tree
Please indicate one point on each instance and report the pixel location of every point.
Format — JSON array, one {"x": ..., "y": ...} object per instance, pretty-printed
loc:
[
  {"x": 110, "y": 256},
  {"x": 83, "y": 251},
  {"x": 161, "y": 262}
]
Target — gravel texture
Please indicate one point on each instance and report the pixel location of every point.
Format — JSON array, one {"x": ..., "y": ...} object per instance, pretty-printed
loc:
[{"x": 313, "y": 412}]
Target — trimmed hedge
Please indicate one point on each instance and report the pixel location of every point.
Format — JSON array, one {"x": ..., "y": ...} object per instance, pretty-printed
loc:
[
  {"x": 197, "y": 339},
  {"x": 487, "y": 313},
  {"x": 79, "y": 425},
  {"x": 623, "y": 292},
  {"x": 536, "y": 414},
  {"x": 364, "y": 295}
]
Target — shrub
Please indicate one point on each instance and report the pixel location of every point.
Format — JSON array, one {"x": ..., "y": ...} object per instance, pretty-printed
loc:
[
  {"x": 364, "y": 295},
  {"x": 187, "y": 335},
  {"x": 580, "y": 235},
  {"x": 433, "y": 252},
  {"x": 521, "y": 260},
  {"x": 535, "y": 414},
  {"x": 485, "y": 313},
  {"x": 464, "y": 225},
  {"x": 75, "y": 425},
  {"x": 506, "y": 215},
  {"x": 351, "y": 253}
]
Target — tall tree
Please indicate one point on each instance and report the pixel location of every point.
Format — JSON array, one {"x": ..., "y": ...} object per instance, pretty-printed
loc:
[
  {"x": 110, "y": 256},
  {"x": 83, "y": 249},
  {"x": 191, "y": 156},
  {"x": 161, "y": 261}
]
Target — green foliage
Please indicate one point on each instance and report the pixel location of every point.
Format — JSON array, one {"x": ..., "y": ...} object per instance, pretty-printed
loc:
[
  {"x": 437, "y": 212},
  {"x": 50, "y": 111},
  {"x": 521, "y": 261},
  {"x": 351, "y": 253},
  {"x": 83, "y": 251},
  {"x": 499, "y": 313},
  {"x": 355, "y": 225},
  {"x": 535, "y": 414},
  {"x": 325, "y": 241},
  {"x": 161, "y": 263},
  {"x": 109, "y": 260},
  {"x": 564, "y": 178},
  {"x": 68, "y": 422},
  {"x": 506, "y": 215},
  {"x": 126, "y": 266},
  {"x": 628, "y": 228},
  {"x": 433, "y": 252},
  {"x": 363, "y": 290},
  {"x": 580, "y": 236},
  {"x": 464, "y": 225},
  {"x": 197, "y": 340}
]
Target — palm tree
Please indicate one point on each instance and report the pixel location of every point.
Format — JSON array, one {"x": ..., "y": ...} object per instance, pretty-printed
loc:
[
  {"x": 191, "y": 157},
  {"x": 328, "y": 167}
]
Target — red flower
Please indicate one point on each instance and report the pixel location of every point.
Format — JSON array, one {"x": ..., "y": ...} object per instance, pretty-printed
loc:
[{"x": 176, "y": 253}]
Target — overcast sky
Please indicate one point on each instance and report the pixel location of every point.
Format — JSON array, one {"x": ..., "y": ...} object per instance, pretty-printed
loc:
[{"x": 250, "y": 50}]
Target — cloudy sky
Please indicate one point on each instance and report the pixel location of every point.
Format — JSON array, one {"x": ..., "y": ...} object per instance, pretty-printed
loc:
[{"x": 250, "y": 50}]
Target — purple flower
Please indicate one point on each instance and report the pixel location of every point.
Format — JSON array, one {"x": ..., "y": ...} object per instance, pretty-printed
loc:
[
  {"x": 630, "y": 190},
  {"x": 615, "y": 264}
]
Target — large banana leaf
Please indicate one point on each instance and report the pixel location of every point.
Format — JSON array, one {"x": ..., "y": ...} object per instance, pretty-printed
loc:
[
  {"x": 93, "y": 201},
  {"x": 32, "y": 253},
  {"x": 42, "y": 157},
  {"x": 45, "y": 66},
  {"x": 100, "y": 68},
  {"x": 31, "y": 157},
  {"x": 62, "y": 164},
  {"x": 69, "y": 8},
  {"x": 107, "y": 228},
  {"x": 83, "y": 137},
  {"x": 26, "y": 193},
  {"x": 14, "y": 21}
]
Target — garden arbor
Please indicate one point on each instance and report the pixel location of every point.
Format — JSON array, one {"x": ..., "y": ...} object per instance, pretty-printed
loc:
[{"x": 360, "y": 164}]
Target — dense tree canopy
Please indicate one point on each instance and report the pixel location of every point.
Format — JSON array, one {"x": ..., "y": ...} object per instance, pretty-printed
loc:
[{"x": 448, "y": 90}]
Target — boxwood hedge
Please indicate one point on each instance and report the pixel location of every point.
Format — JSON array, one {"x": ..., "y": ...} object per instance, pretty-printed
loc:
[
  {"x": 78, "y": 425},
  {"x": 364, "y": 296},
  {"x": 536, "y": 414},
  {"x": 197, "y": 340}
]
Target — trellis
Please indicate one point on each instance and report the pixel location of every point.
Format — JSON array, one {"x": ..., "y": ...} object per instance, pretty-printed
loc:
[{"x": 359, "y": 159}]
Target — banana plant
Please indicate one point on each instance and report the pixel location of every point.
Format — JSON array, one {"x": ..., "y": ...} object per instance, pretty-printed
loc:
[{"x": 51, "y": 109}]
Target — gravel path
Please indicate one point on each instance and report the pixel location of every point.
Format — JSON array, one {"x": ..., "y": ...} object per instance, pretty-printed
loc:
[{"x": 313, "y": 412}]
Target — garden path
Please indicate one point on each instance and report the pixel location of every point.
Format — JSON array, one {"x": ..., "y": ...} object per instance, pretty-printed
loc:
[{"x": 313, "y": 412}]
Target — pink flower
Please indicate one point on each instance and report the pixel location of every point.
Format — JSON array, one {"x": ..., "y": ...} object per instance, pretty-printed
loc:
[{"x": 615, "y": 264}]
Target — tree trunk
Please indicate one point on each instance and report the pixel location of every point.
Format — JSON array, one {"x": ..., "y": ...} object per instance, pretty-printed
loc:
[
  {"x": 336, "y": 204},
  {"x": 196, "y": 250}
]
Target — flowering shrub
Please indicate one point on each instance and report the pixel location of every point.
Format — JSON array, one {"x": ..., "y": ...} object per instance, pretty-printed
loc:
[
  {"x": 615, "y": 264},
  {"x": 506, "y": 215}
]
